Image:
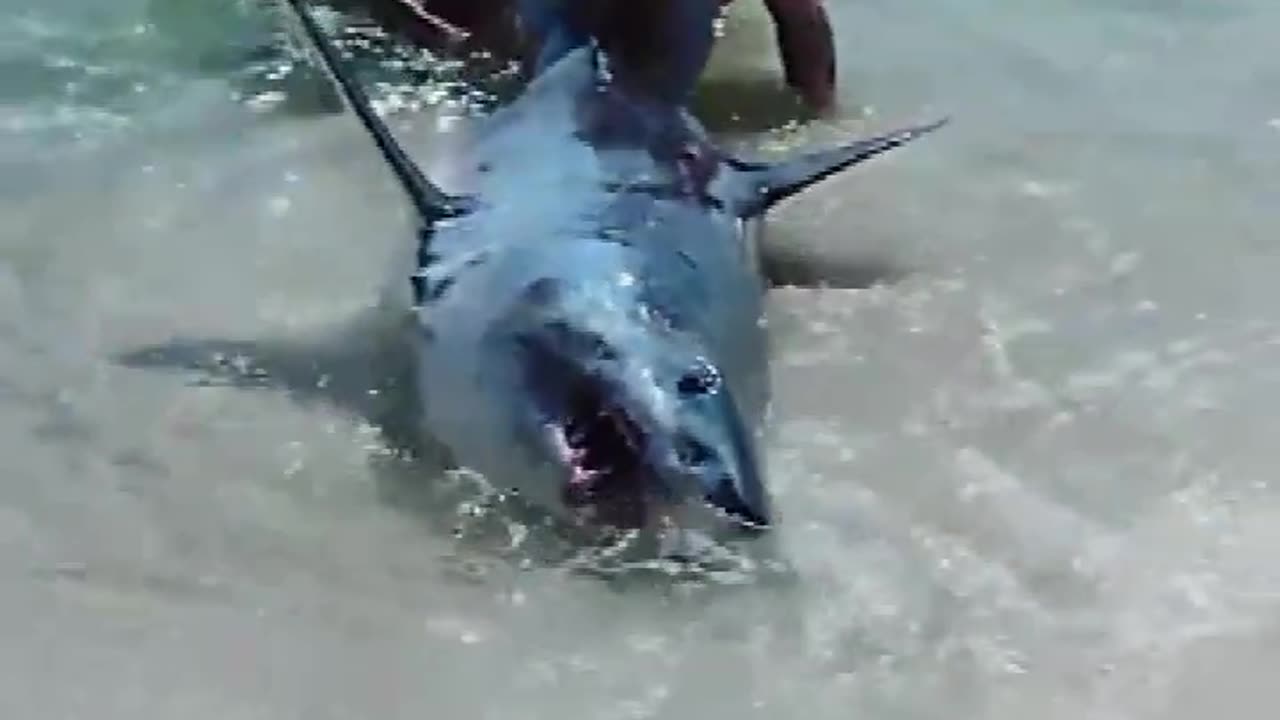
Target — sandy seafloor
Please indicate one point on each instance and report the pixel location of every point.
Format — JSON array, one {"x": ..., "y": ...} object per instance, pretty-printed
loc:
[{"x": 1028, "y": 472}]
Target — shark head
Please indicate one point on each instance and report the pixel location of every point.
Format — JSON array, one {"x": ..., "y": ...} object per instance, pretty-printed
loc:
[{"x": 630, "y": 416}]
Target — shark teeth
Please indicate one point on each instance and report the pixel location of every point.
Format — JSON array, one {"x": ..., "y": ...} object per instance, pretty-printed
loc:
[{"x": 596, "y": 447}]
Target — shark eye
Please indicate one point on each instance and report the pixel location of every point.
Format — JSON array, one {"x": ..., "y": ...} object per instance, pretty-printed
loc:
[{"x": 701, "y": 380}]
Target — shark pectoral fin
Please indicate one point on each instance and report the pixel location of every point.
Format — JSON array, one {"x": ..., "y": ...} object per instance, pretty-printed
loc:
[
  {"x": 774, "y": 182},
  {"x": 431, "y": 202}
]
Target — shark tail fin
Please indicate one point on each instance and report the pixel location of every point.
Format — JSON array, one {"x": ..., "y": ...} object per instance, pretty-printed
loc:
[
  {"x": 775, "y": 182},
  {"x": 432, "y": 203}
]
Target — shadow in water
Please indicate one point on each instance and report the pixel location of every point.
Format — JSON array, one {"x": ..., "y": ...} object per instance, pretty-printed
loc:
[
  {"x": 789, "y": 266},
  {"x": 362, "y": 369}
]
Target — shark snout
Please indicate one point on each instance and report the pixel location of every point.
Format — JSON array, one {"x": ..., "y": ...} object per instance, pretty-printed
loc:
[{"x": 716, "y": 450}]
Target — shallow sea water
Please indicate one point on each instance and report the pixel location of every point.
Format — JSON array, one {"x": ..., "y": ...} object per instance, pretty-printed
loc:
[{"x": 1025, "y": 473}]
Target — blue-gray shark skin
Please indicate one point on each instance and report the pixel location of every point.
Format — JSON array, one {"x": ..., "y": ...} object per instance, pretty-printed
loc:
[{"x": 590, "y": 317}]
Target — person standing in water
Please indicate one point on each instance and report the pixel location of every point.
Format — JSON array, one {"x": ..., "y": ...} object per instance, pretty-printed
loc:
[
  {"x": 543, "y": 30},
  {"x": 644, "y": 31}
]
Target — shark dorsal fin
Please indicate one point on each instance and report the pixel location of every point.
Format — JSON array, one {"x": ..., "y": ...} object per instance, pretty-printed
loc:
[
  {"x": 773, "y": 182},
  {"x": 432, "y": 203}
]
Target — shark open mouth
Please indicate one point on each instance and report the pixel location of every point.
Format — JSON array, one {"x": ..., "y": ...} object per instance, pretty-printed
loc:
[{"x": 603, "y": 449}]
